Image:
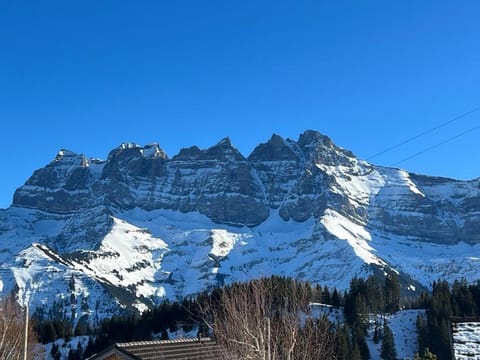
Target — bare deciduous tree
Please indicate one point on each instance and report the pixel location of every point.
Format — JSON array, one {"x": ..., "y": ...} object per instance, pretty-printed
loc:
[
  {"x": 12, "y": 330},
  {"x": 259, "y": 321}
]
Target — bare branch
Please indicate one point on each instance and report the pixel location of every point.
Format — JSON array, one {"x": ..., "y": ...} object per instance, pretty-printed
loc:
[{"x": 267, "y": 319}]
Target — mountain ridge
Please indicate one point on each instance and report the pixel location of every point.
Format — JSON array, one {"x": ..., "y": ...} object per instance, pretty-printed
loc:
[{"x": 140, "y": 226}]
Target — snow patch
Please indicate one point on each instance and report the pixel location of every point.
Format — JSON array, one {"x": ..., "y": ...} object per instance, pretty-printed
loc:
[
  {"x": 355, "y": 235},
  {"x": 223, "y": 242}
]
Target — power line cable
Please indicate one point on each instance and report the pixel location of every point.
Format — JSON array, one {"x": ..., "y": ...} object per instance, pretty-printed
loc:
[
  {"x": 456, "y": 118},
  {"x": 437, "y": 145}
]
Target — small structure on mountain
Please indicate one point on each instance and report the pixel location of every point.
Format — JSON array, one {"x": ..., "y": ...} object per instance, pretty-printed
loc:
[{"x": 198, "y": 349}]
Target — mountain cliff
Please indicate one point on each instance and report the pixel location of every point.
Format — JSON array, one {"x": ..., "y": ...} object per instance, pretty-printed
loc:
[{"x": 88, "y": 237}]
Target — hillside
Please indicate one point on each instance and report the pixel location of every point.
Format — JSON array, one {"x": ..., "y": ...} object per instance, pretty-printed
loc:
[{"x": 92, "y": 237}]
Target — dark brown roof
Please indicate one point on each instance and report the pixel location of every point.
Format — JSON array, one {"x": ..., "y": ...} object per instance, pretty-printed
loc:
[{"x": 203, "y": 349}]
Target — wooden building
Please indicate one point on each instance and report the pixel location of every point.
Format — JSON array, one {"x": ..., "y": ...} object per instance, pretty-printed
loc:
[{"x": 187, "y": 349}]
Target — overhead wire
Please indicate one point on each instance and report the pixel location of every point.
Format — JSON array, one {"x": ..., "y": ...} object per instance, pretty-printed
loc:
[
  {"x": 456, "y": 118},
  {"x": 437, "y": 145}
]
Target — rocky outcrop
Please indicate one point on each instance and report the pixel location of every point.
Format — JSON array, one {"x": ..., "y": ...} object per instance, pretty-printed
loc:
[
  {"x": 300, "y": 178},
  {"x": 63, "y": 185},
  {"x": 140, "y": 226}
]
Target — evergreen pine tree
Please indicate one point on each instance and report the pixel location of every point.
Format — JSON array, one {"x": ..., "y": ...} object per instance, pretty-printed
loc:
[
  {"x": 376, "y": 333},
  {"x": 336, "y": 301},
  {"x": 356, "y": 353},
  {"x": 55, "y": 352},
  {"x": 362, "y": 346},
  {"x": 392, "y": 293},
  {"x": 326, "y": 299},
  {"x": 422, "y": 332},
  {"x": 387, "y": 350},
  {"x": 343, "y": 348}
]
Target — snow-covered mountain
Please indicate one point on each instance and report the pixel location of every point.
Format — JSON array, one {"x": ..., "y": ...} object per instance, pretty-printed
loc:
[{"x": 85, "y": 236}]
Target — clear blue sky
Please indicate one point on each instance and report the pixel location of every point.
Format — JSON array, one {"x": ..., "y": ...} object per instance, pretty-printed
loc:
[{"x": 89, "y": 75}]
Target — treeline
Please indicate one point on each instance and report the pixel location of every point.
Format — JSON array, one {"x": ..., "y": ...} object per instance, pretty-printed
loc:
[
  {"x": 168, "y": 316},
  {"x": 366, "y": 297},
  {"x": 281, "y": 299},
  {"x": 277, "y": 304},
  {"x": 460, "y": 299}
]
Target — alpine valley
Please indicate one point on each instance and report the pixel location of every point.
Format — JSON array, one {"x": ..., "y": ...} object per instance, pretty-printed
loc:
[{"x": 89, "y": 237}]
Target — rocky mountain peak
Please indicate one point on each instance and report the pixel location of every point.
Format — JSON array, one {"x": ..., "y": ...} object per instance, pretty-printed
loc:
[
  {"x": 225, "y": 142},
  {"x": 275, "y": 149},
  {"x": 128, "y": 145},
  {"x": 190, "y": 153},
  {"x": 312, "y": 138},
  {"x": 154, "y": 151},
  {"x": 320, "y": 149},
  {"x": 65, "y": 154},
  {"x": 141, "y": 226},
  {"x": 62, "y": 185},
  {"x": 129, "y": 150},
  {"x": 124, "y": 151},
  {"x": 223, "y": 151}
]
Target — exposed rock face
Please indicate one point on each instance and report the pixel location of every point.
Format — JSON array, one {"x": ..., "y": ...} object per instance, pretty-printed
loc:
[
  {"x": 63, "y": 185},
  {"x": 140, "y": 225},
  {"x": 300, "y": 178}
]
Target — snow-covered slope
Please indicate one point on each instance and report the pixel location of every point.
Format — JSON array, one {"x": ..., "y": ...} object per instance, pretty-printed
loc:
[
  {"x": 91, "y": 237},
  {"x": 404, "y": 330},
  {"x": 402, "y": 324}
]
